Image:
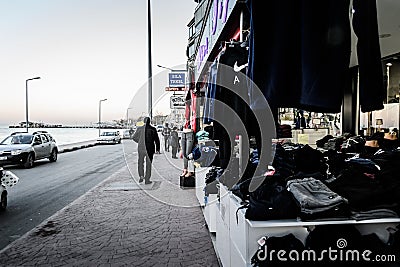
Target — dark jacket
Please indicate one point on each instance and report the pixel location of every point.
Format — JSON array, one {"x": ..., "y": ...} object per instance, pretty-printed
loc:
[
  {"x": 305, "y": 62},
  {"x": 147, "y": 138},
  {"x": 174, "y": 138}
]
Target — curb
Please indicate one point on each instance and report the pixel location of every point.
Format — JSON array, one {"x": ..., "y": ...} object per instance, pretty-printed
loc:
[{"x": 76, "y": 147}]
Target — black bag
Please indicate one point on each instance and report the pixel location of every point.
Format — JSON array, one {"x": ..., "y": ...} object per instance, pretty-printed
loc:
[
  {"x": 187, "y": 181},
  {"x": 271, "y": 202}
]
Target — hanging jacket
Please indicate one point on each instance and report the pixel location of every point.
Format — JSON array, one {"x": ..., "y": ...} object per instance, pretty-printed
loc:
[{"x": 303, "y": 60}]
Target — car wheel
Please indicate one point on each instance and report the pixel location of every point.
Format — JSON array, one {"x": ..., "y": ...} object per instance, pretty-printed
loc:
[
  {"x": 53, "y": 155},
  {"x": 29, "y": 161},
  {"x": 3, "y": 201}
]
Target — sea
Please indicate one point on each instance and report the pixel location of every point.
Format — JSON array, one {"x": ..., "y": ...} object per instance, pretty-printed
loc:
[{"x": 62, "y": 136}]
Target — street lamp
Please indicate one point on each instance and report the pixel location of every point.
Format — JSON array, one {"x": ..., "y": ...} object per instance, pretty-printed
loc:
[
  {"x": 170, "y": 68},
  {"x": 127, "y": 118},
  {"x": 26, "y": 100},
  {"x": 100, "y": 113},
  {"x": 150, "y": 82}
]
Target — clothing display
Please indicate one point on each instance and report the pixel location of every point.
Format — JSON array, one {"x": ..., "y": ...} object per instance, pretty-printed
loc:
[
  {"x": 230, "y": 110},
  {"x": 303, "y": 62},
  {"x": 207, "y": 155},
  {"x": 323, "y": 237},
  {"x": 316, "y": 200},
  {"x": 307, "y": 53},
  {"x": 202, "y": 135},
  {"x": 271, "y": 202},
  {"x": 328, "y": 184},
  {"x": 209, "y": 99},
  {"x": 187, "y": 142}
]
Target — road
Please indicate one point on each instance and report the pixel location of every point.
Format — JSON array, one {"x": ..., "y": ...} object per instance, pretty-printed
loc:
[{"x": 48, "y": 187}]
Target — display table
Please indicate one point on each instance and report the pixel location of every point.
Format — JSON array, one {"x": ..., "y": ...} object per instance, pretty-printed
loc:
[
  {"x": 240, "y": 235},
  {"x": 200, "y": 174},
  {"x": 208, "y": 202},
  {"x": 222, "y": 238}
]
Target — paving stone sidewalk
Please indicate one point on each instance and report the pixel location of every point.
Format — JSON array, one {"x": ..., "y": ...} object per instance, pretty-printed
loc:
[{"x": 122, "y": 223}]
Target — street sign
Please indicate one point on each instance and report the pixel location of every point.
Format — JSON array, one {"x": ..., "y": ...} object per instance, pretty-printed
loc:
[
  {"x": 177, "y": 102},
  {"x": 177, "y": 79},
  {"x": 174, "y": 89}
]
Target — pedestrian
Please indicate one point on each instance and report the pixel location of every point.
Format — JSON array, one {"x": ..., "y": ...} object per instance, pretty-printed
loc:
[
  {"x": 131, "y": 132},
  {"x": 148, "y": 143},
  {"x": 174, "y": 142},
  {"x": 166, "y": 132}
]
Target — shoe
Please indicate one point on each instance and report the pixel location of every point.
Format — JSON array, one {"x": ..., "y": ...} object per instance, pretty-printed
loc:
[
  {"x": 148, "y": 182},
  {"x": 140, "y": 179}
]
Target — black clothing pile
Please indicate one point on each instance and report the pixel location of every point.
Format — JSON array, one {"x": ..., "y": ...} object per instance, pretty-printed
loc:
[
  {"x": 312, "y": 184},
  {"x": 284, "y": 131}
]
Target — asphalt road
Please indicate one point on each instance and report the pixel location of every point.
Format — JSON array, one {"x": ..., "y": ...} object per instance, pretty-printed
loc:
[{"x": 48, "y": 187}]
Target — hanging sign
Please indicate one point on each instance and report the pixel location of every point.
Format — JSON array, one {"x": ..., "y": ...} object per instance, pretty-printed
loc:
[
  {"x": 177, "y": 102},
  {"x": 175, "y": 89},
  {"x": 176, "y": 79}
]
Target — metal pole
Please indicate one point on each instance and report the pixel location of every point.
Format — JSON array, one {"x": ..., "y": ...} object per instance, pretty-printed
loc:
[
  {"x": 127, "y": 125},
  {"x": 127, "y": 118},
  {"x": 99, "y": 116},
  {"x": 150, "y": 85},
  {"x": 26, "y": 105},
  {"x": 100, "y": 113},
  {"x": 26, "y": 101}
]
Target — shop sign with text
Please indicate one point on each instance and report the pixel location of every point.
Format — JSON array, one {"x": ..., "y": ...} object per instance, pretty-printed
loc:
[
  {"x": 177, "y": 79},
  {"x": 177, "y": 102}
]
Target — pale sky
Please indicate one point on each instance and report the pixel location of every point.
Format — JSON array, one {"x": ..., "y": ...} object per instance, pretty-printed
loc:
[{"x": 84, "y": 51}]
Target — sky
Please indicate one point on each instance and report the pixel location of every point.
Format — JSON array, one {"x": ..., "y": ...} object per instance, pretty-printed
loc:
[{"x": 84, "y": 51}]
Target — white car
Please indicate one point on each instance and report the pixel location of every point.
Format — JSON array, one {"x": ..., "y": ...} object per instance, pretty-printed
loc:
[
  {"x": 126, "y": 135},
  {"x": 109, "y": 137}
]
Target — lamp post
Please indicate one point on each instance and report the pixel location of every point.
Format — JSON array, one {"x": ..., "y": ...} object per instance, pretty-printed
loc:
[
  {"x": 100, "y": 113},
  {"x": 150, "y": 82},
  {"x": 160, "y": 66},
  {"x": 127, "y": 118},
  {"x": 26, "y": 100}
]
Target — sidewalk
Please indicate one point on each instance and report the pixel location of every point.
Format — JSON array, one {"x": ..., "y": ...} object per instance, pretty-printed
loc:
[{"x": 122, "y": 223}]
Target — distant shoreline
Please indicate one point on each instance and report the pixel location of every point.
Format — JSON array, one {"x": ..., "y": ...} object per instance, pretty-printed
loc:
[{"x": 70, "y": 126}]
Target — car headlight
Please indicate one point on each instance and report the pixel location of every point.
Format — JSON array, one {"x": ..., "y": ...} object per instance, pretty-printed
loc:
[{"x": 16, "y": 152}]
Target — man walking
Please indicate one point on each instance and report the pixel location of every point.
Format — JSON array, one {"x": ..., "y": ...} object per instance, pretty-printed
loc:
[
  {"x": 166, "y": 132},
  {"x": 174, "y": 142},
  {"x": 148, "y": 143}
]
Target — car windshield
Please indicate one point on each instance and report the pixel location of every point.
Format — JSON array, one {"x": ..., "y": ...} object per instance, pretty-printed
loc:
[{"x": 17, "y": 139}]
